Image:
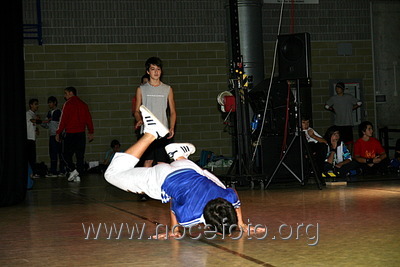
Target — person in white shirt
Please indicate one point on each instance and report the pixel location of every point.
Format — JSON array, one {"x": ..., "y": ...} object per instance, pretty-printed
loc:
[
  {"x": 315, "y": 142},
  {"x": 32, "y": 131}
]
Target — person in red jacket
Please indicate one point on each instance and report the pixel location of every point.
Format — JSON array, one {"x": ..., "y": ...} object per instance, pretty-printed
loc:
[{"x": 75, "y": 118}]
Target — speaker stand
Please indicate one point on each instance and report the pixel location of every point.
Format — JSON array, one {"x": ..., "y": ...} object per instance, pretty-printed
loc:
[
  {"x": 242, "y": 164},
  {"x": 302, "y": 140}
]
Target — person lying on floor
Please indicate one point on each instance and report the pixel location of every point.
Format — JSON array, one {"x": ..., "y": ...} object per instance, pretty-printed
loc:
[{"x": 196, "y": 195}]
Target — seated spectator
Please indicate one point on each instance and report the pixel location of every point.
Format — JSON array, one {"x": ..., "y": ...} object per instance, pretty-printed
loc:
[
  {"x": 315, "y": 142},
  {"x": 397, "y": 149},
  {"x": 338, "y": 158},
  {"x": 115, "y": 147},
  {"x": 369, "y": 152},
  {"x": 311, "y": 135},
  {"x": 395, "y": 162}
]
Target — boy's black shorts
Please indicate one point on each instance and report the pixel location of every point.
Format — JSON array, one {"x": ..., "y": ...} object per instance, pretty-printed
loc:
[{"x": 156, "y": 151}]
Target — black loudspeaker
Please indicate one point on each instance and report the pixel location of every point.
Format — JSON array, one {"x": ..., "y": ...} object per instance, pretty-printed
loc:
[
  {"x": 274, "y": 123},
  {"x": 275, "y": 119},
  {"x": 294, "y": 55}
]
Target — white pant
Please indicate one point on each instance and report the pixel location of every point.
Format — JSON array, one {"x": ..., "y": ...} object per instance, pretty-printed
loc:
[{"x": 123, "y": 174}]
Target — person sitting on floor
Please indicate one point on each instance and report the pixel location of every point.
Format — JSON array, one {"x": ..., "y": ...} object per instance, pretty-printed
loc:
[
  {"x": 315, "y": 143},
  {"x": 338, "y": 158},
  {"x": 196, "y": 195},
  {"x": 115, "y": 147},
  {"x": 369, "y": 152},
  {"x": 395, "y": 162}
]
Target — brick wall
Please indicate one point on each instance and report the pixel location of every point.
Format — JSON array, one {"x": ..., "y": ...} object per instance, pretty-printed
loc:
[
  {"x": 155, "y": 21},
  {"x": 328, "y": 65},
  {"x": 106, "y": 77},
  {"x": 100, "y": 48}
]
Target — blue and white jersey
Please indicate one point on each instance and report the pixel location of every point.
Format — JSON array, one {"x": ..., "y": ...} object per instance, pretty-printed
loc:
[
  {"x": 190, "y": 192},
  {"x": 342, "y": 153}
]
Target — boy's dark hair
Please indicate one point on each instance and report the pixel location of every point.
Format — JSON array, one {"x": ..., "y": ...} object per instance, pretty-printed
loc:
[
  {"x": 305, "y": 117},
  {"x": 362, "y": 127},
  {"x": 153, "y": 61},
  {"x": 221, "y": 214},
  {"x": 52, "y": 99},
  {"x": 114, "y": 143},
  {"x": 330, "y": 132},
  {"x": 340, "y": 85},
  {"x": 33, "y": 100},
  {"x": 71, "y": 89}
]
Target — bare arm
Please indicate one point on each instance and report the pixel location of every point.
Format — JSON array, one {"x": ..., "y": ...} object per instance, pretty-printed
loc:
[
  {"x": 312, "y": 134},
  {"x": 332, "y": 151},
  {"x": 240, "y": 218},
  {"x": 242, "y": 225},
  {"x": 176, "y": 230},
  {"x": 330, "y": 157},
  {"x": 330, "y": 108},
  {"x": 340, "y": 164},
  {"x": 380, "y": 157},
  {"x": 360, "y": 159},
  {"x": 357, "y": 105},
  {"x": 245, "y": 227},
  {"x": 375, "y": 160},
  {"x": 172, "y": 109},
  {"x": 174, "y": 222},
  {"x": 137, "y": 114}
]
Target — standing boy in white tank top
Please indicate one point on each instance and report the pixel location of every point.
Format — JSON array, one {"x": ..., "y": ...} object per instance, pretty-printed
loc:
[{"x": 157, "y": 96}]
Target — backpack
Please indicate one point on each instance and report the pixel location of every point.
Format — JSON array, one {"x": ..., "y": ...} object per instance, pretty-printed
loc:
[{"x": 205, "y": 157}]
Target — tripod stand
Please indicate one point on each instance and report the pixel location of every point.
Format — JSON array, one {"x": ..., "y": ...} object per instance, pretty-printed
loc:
[
  {"x": 242, "y": 164},
  {"x": 299, "y": 134}
]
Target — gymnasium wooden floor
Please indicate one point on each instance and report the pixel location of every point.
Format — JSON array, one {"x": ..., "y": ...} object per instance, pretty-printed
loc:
[{"x": 94, "y": 224}]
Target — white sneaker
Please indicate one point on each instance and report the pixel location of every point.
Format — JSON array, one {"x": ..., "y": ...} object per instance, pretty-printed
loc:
[
  {"x": 77, "y": 179},
  {"x": 176, "y": 150},
  {"x": 152, "y": 125},
  {"x": 72, "y": 175}
]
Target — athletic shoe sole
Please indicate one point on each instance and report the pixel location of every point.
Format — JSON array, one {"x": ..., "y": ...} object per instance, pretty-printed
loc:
[
  {"x": 152, "y": 123},
  {"x": 176, "y": 150}
]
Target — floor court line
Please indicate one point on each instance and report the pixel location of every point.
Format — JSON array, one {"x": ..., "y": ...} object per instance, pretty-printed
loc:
[{"x": 241, "y": 255}]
